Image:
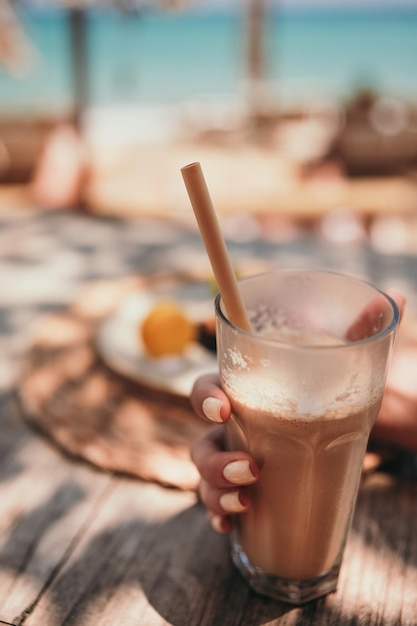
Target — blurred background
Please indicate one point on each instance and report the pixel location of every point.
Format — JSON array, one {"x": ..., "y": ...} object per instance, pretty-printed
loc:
[{"x": 303, "y": 113}]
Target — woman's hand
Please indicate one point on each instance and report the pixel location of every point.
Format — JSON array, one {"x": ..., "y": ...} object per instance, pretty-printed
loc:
[{"x": 226, "y": 474}]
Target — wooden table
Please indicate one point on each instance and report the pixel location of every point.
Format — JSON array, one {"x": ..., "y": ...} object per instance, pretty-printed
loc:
[{"x": 83, "y": 547}]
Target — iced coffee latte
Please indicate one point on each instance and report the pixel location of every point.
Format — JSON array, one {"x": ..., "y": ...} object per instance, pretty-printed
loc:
[
  {"x": 302, "y": 502},
  {"x": 304, "y": 398}
]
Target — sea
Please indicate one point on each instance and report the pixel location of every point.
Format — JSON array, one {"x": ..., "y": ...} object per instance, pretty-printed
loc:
[{"x": 158, "y": 58}]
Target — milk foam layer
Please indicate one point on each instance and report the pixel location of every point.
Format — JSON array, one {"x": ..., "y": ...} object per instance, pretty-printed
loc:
[
  {"x": 274, "y": 393},
  {"x": 280, "y": 388}
]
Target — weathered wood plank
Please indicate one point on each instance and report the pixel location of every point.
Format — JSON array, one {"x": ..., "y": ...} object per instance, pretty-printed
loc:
[
  {"x": 378, "y": 579},
  {"x": 150, "y": 558},
  {"x": 125, "y": 556},
  {"x": 45, "y": 503}
]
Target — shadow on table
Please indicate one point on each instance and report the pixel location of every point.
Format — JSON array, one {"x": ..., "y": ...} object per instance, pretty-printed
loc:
[
  {"x": 387, "y": 509},
  {"x": 197, "y": 583},
  {"x": 14, "y": 436},
  {"x": 180, "y": 565},
  {"x": 202, "y": 588},
  {"x": 207, "y": 586}
]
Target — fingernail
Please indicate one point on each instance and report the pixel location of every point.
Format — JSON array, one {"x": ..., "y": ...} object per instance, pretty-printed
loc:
[
  {"x": 398, "y": 296},
  {"x": 392, "y": 291},
  {"x": 217, "y": 524},
  {"x": 231, "y": 503},
  {"x": 238, "y": 473},
  {"x": 211, "y": 409}
]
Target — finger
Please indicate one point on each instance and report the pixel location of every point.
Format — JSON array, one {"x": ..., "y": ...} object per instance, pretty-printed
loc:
[
  {"x": 397, "y": 420},
  {"x": 221, "y": 523},
  {"x": 223, "y": 501},
  {"x": 371, "y": 320},
  {"x": 209, "y": 401},
  {"x": 219, "y": 468}
]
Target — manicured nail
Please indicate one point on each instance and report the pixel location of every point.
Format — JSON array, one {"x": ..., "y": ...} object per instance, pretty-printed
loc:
[
  {"x": 238, "y": 473},
  {"x": 217, "y": 524},
  {"x": 398, "y": 296},
  {"x": 211, "y": 409},
  {"x": 231, "y": 503}
]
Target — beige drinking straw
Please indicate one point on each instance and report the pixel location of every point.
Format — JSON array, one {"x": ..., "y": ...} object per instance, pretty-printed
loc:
[{"x": 215, "y": 245}]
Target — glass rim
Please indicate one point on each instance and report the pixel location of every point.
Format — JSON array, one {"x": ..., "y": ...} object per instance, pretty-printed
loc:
[{"x": 379, "y": 336}]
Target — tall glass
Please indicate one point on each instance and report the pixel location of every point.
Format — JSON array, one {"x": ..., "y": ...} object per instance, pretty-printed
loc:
[{"x": 305, "y": 390}]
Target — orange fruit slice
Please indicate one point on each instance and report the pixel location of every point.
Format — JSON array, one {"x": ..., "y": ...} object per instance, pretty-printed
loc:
[{"x": 166, "y": 330}]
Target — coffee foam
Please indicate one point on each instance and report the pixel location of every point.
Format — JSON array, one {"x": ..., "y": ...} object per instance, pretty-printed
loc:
[
  {"x": 267, "y": 392},
  {"x": 322, "y": 384}
]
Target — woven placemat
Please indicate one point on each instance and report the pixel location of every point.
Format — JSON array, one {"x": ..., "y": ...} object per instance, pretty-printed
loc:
[{"x": 92, "y": 413}]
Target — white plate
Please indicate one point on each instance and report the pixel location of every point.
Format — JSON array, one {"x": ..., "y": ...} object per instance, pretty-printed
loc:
[{"x": 121, "y": 347}]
